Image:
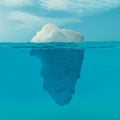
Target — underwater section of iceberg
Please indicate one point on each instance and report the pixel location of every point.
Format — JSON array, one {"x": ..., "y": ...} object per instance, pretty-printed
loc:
[{"x": 60, "y": 70}]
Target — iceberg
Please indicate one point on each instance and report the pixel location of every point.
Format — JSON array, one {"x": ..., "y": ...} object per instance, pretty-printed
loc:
[
  {"x": 61, "y": 67},
  {"x": 51, "y": 33}
]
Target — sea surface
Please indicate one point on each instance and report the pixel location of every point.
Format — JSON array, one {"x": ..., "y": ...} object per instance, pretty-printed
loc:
[{"x": 97, "y": 92}]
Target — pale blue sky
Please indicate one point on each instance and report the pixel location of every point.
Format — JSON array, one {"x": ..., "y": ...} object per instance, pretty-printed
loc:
[{"x": 96, "y": 20}]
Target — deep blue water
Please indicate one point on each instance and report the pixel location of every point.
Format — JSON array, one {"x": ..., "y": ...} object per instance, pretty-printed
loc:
[{"x": 97, "y": 92}]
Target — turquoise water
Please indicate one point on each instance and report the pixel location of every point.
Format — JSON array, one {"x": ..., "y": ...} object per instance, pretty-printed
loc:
[{"x": 97, "y": 92}]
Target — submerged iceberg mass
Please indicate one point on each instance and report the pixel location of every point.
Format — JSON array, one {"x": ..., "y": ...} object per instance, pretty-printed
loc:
[
  {"x": 60, "y": 70},
  {"x": 61, "y": 67},
  {"x": 51, "y": 33}
]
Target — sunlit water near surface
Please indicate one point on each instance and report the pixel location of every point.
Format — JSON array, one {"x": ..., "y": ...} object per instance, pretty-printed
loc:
[{"x": 97, "y": 92}]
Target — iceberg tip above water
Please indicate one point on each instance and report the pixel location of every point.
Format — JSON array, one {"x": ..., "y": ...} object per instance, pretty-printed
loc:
[{"x": 51, "y": 33}]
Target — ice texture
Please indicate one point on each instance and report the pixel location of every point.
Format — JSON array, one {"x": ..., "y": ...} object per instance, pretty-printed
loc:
[
  {"x": 51, "y": 33},
  {"x": 60, "y": 70}
]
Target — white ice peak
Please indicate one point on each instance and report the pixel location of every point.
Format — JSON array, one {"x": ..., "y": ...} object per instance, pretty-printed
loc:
[{"x": 51, "y": 33}]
